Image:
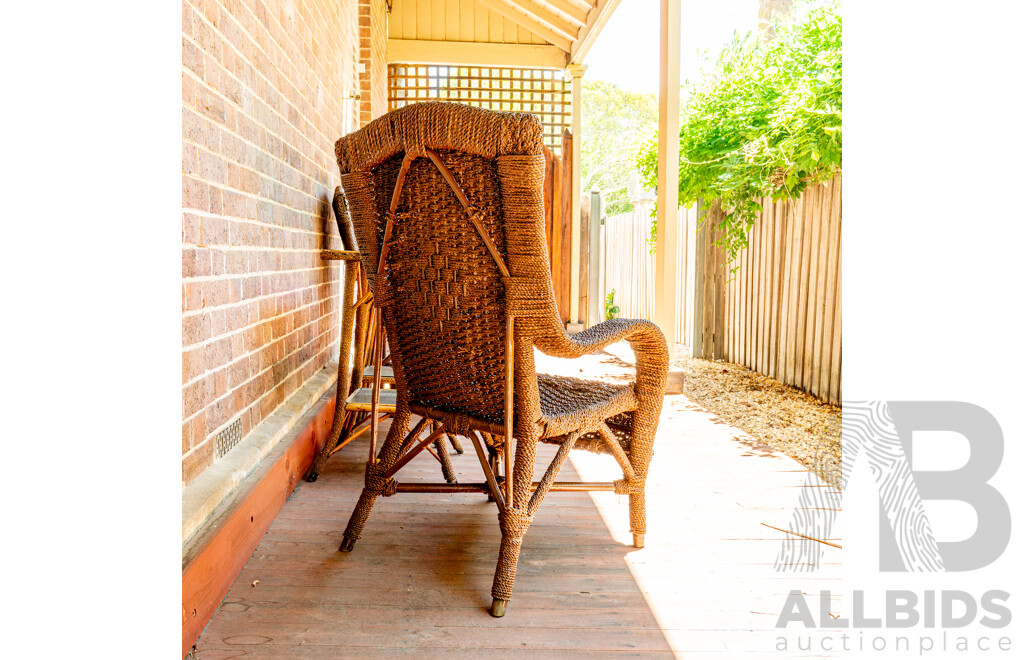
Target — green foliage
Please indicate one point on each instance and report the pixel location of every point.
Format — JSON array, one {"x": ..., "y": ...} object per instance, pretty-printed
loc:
[
  {"x": 652, "y": 240},
  {"x": 615, "y": 124},
  {"x": 610, "y": 308},
  {"x": 765, "y": 122}
]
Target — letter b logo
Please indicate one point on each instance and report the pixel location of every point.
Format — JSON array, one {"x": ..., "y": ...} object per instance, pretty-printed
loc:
[{"x": 903, "y": 524}]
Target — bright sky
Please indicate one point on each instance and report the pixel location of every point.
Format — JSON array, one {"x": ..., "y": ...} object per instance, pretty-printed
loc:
[{"x": 626, "y": 51}]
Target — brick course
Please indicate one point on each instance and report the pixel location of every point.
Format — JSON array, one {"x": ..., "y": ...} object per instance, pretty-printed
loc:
[
  {"x": 267, "y": 87},
  {"x": 373, "y": 40}
]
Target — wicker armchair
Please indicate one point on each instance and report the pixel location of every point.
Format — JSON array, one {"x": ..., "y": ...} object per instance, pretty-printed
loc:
[{"x": 448, "y": 210}]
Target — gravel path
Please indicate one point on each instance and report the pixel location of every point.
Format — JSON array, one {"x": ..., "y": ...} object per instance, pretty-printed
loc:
[{"x": 781, "y": 416}]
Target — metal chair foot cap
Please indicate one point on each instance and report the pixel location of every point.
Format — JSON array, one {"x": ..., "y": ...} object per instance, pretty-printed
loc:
[
  {"x": 638, "y": 540},
  {"x": 498, "y": 608},
  {"x": 311, "y": 477},
  {"x": 347, "y": 544}
]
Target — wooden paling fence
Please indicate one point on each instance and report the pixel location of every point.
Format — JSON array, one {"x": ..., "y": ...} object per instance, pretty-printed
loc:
[
  {"x": 629, "y": 266},
  {"x": 780, "y": 313}
]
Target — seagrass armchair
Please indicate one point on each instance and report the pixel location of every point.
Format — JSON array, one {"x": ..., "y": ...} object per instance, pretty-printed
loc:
[{"x": 447, "y": 205}]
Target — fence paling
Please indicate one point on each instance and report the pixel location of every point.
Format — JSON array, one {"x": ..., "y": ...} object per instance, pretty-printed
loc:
[
  {"x": 630, "y": 266},
  {"x": 684, "y": 289}
]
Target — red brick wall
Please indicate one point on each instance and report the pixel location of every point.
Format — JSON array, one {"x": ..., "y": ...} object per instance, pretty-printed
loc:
[
  {"x": 373, "y": 35},
  {"x": 267, "y": 87}
]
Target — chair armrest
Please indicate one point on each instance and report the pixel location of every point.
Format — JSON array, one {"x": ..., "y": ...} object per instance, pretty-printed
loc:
[
  {"x": 339, "y": 255},
  {"x": 635, "y": 331},
  {"x": 644, "y": 337}
]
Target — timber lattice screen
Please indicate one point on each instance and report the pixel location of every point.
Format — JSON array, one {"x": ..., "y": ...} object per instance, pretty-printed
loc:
[{"x": 541, "y": 92}]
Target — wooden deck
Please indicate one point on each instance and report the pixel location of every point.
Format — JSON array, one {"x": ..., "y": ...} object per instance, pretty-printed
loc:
[{"x": 418, "y": 582}]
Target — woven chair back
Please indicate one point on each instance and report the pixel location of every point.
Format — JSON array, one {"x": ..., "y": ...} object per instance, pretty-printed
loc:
[
  {"x": 446, "y": 306},
  {"x": 465, "y": 254}
]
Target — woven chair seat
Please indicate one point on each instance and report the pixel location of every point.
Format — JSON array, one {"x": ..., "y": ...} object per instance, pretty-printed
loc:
[{"x": 568, "y": 404}]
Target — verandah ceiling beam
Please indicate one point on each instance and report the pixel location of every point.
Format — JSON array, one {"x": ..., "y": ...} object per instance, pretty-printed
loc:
[
  {"x": 541, "y": 22},
  {"x": 468, "y": 53},
  {"x": 569, "y": 12},
  {"x": 583, "y": 5}
]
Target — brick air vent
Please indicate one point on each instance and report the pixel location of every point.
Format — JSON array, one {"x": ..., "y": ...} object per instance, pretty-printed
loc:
[{"x": 229, "y": 437}]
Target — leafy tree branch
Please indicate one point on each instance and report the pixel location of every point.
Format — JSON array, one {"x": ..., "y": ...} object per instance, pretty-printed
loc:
[
  {"x": 766, "y": 121},
  {"x": 615, "y": 125}
]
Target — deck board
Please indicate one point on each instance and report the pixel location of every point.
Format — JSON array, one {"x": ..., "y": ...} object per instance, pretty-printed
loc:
[{"x": 418, "y": 582}]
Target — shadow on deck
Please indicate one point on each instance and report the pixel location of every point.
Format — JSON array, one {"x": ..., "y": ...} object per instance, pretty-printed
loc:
[{"x": 418, "y": 582}]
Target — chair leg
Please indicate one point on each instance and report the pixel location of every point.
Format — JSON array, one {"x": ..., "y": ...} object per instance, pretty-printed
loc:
[
  {"x": 638, "y": 518},
  {"x": 375, "y": 482},
  {"x": 339, "y": 429},
  {"x": 358, "y": 519},
  {"x": 447, "y": 469},
  {"x": 515, "y": 519},
  {"x": 508, "y": 559},
  {"x": 639, "y": 460},
  {"x": 492, "y": 460},
  {"x": 456, "y": 445},
  {"x": 518, "y": 515}
]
